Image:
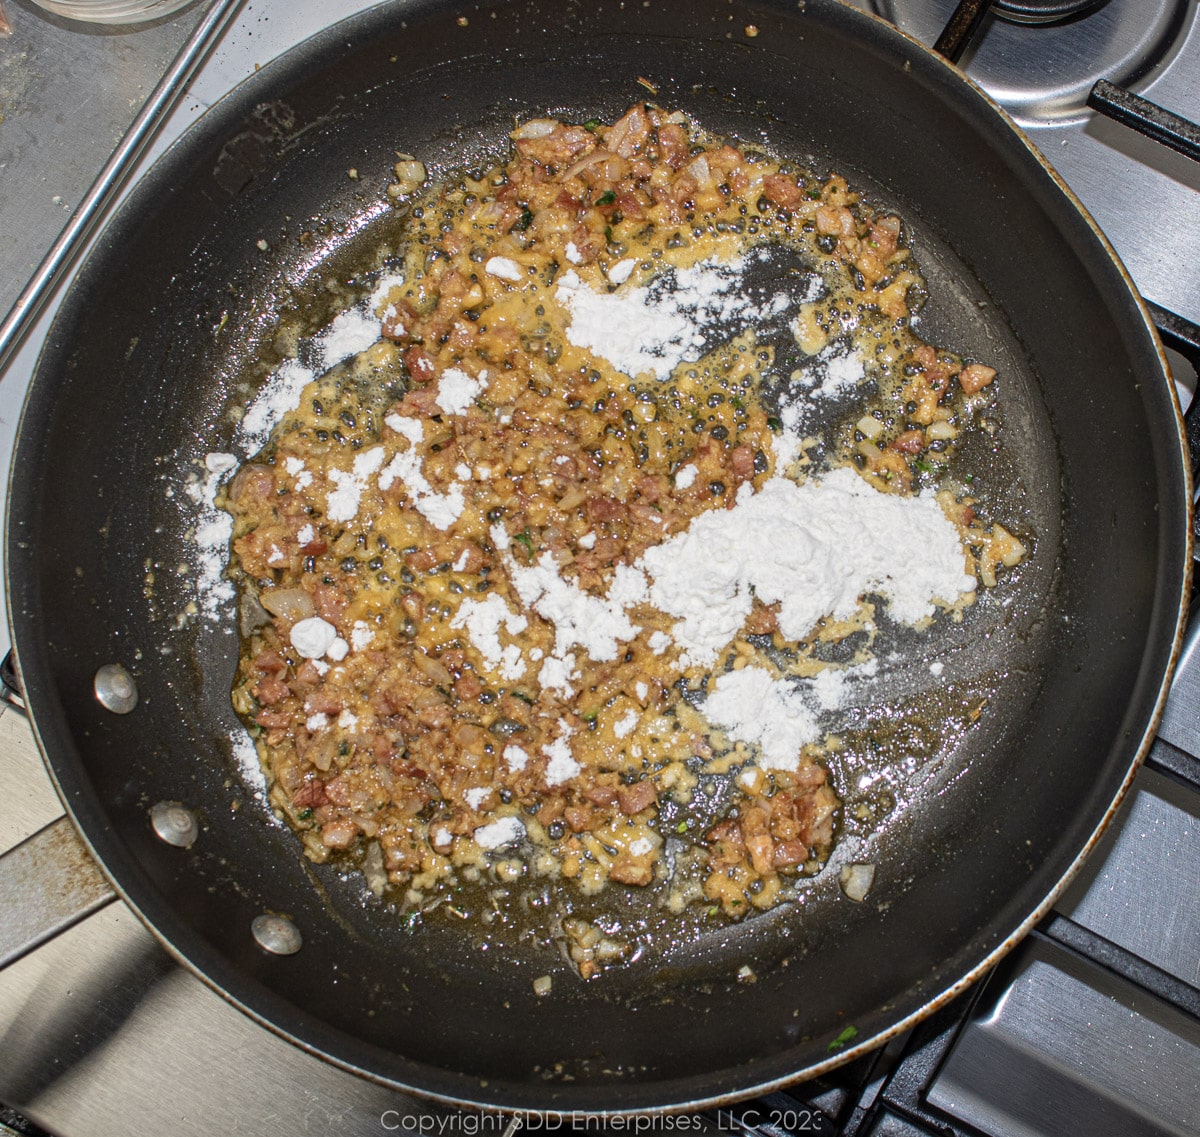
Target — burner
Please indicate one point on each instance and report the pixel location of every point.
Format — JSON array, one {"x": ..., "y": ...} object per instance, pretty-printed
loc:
[
  {"x": 1040, "y": 58},
  {"x": 1043, "y": 11}
]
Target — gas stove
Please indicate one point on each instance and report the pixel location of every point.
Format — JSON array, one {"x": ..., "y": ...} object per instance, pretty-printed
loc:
[{"x": 1092, "y": 1026}]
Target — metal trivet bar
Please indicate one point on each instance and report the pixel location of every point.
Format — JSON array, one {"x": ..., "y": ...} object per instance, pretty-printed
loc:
[
  {"x": 1183, "y": 136},
  {"x": 1146, "y": 118}
]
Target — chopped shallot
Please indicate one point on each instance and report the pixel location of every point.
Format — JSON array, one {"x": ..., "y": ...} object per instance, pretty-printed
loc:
[{"x": 856, "y": 880}]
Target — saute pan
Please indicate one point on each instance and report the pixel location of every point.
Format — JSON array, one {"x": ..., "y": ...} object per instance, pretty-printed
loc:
[{"x": 252, "y": 218}]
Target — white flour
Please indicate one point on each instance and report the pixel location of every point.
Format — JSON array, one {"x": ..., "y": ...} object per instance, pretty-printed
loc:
[
  {"x": 313, "y": 637},
  {"x": 457, "y": 390},
  {"x": 652, "y": 329},
  {"x": 246, "y": 758},
  {"x": 341, "y": 503},
  {"x": 277, "y": 396},
  {"x": 597, "y": 624},
  {"x": 813, "y": 548},
  {"x": 411, "y": 428},
  {"x": 562, "y": 766},
  {"x": 754, "y": 707},
  {"x": 378, "y": 300},
  {"x": 443, "y": 509},
  {"x": 831, "y": 687},
  {"x": 214, "y": 528},
  {"x": 835, "y": 371},
  {"x": 659, "y": 642},
  {"x": 502, "y": 831},
  {"x": 516, "y": 758},
  {"x": 556, "y": 674},
  {"x": 786, "y": 445},
  {"x": 685, "y": 476},
  {"x": 625, "y": 725},
  {"x": 440, "y": 509},
  {"x": 297, "y": 469},
  {"x": 621, "y": 271},
  {"x": 351, "y": 332},
  {"x": 483, "y": 620}
]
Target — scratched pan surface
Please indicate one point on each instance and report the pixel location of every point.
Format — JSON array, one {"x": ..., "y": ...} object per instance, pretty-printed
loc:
[{"x": 141, "y": 370}]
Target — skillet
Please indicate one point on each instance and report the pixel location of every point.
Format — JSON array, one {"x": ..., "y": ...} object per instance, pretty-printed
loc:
[{"x": 154, "y": 346}]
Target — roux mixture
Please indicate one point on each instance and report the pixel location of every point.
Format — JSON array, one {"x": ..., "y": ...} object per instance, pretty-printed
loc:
[{"x": 441, "y": 684}]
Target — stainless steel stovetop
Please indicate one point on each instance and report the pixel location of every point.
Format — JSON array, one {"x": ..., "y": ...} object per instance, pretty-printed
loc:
[{"x": 1091, "y": 1027}]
